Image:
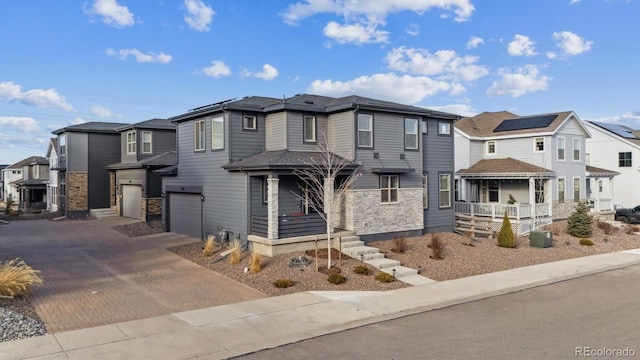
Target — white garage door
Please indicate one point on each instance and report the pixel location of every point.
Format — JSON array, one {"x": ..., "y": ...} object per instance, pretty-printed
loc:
[
  {"x": 131, "y": 201},
  {"x": 185, "y": 214}
]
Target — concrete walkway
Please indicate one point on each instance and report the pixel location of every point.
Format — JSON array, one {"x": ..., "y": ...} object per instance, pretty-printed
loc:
[{"x": 230, "y": 330}]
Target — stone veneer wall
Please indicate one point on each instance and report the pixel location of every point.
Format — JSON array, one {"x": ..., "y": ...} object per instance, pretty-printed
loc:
[
  {"x": 562, "y": 210},
  {"x": 118, "y": 198},
  {"x": 151, "y": 208},
  {"x": 77, "y": 190},
  {"x": 365, "y": 214}
]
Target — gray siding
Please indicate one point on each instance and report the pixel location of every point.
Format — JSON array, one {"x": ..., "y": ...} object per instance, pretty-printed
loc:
[
  {"x": 245, "y": 143},
  {"x": 476, "y": 152},
  {"x": 161, "y": 142},
  {"x": 258, "y": 207},
  {"x": 132, "y": 176},
  {"x": 438, "y": 157},
  {"x": 462, "y": 151},
  {"x": 104, "y": 149},
  {"x": 123, "y": 148},
  {"x": 78, "y": 151},
  {"x": 295, "y": 139},
  {"x": 276, "y": 130},
  {"x": 388, "y": 142},
  {"x": 341, "y": 134},
  {"x": 226, "y": 194}
]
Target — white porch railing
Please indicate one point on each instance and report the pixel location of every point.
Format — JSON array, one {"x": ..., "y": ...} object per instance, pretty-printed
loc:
[
  {"x": 597, "y": 205},
  {"x": 495, "y": 210}
]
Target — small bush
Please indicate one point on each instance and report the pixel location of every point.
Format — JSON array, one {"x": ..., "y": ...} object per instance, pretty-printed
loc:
[
  {"x": 283, "y": 283},
  {"x": 437, "y": 247},
  {"x": 506, "y": 237},
  {"x": 400, "y": 244},
  {"x": 234, "y": 256},
  {"x": 255, "y": 266},
  {"x": 336, "y": 278},
  {"x": 586, "y": 242},
  {"x": 9, "y": 205},
  {"x": 607, "y": 227},
  {"x": 384, "y": 277},
  {"x": 209, "y": 246},
  {"x": 17, "y": 278},
  {"x": 579, "y": 223},
  {"x": 361, "y": 270}
]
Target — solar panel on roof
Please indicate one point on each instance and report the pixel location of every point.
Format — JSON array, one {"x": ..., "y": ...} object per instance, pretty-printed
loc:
[
  {"x": 616, "y": 129},
  {"x": 525, "y": 123}
]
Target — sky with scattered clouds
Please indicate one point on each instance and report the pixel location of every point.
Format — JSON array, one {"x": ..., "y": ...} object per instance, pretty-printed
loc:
[{"x": 69, "y": 62}]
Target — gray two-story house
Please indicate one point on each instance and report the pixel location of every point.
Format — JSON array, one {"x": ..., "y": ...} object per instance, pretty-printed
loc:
[
  {"x": 84, "y": 151},
  {"x": 33, "y": 185},
  {"x": 237, "y": 164},
  {"x": 144, "y": 147}
]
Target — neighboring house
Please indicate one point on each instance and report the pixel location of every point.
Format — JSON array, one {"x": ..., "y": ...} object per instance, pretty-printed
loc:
[
  {"x": 617, "y": 147},
  {"x": 12, "y": 175},
  {"x": 236, "y": 163},
  {"x": 33, "y": 186},
  {"x": 52, "y": 186},
  {"x": 532, "y": 167},
  {"x": 145, "y": 146},
  {"x": 2, "y": 181},
  {"x": 84, "y": 151}
]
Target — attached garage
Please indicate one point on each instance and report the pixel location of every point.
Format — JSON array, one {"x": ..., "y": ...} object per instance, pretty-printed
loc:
[
  {"x": 185, "y": 214},
  {"x": 132, "y": 201}
]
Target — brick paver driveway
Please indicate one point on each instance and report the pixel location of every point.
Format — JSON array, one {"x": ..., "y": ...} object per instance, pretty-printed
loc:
[{"x": 94, "y": 275}]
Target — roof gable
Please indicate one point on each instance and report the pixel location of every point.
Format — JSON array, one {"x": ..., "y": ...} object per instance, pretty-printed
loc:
[{"x": 507, "y": 124}]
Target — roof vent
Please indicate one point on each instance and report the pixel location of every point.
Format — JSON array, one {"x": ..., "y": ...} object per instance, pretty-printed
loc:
[{"x": 308, "y": 101}]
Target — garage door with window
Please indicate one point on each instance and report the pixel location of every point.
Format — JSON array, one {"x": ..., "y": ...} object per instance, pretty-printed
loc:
[
  {"x": 185, "y": 214},
  {"x": 132, "y": 201}
]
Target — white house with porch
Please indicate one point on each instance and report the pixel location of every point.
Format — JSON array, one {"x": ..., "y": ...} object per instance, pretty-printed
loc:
[{"x": 533, "y": 167}]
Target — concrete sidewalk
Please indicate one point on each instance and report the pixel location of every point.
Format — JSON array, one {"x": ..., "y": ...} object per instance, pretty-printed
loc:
[{"x": 235, "y": 329}]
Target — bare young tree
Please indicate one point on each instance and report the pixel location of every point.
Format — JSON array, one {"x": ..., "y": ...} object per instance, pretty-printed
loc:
[{"x": 318, "y": 187}]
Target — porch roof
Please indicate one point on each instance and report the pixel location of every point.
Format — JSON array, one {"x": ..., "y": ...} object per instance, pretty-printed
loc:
[
  {"x": 31, "y": 183},
  {"x": 161, "y": 160},
  {"x": 593, "y": 171},
  {"x": 283, "y": 160},
  {"x": 505, "y": 168}
]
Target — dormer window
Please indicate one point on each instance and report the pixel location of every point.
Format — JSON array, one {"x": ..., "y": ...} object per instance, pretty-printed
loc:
[
  {"x": 146, "y": 142},
  {"x": 249, "y": 123},
  {"x": 131, "y": 142}
]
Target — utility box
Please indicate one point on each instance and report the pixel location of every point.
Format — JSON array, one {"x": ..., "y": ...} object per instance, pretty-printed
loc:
[{"x": 541, "y": 239}]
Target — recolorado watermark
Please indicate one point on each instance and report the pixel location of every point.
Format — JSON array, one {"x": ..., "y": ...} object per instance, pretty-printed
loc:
[{"x": 604, "y": 352}]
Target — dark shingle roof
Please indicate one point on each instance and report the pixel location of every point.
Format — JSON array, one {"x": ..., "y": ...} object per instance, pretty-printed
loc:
[
  {"x": 32, "y": 159},
  {"x": 165, "y": 159},
  {"x": 596, "y": 172},
  {"x": 161, "y": 124},
  {"x": 91, "y": 127},
  {"x": 281, "y": 159},
  {"x": 34, "y": 182},
  {"x": 484, "y": 124},
  {"x": 508, "y": 166}
]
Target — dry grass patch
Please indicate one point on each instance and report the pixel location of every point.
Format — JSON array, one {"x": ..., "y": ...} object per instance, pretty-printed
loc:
[
  {"x": 256, "y": 265},
  {"x": 209, "y": 246},
  {"x": 17, "y": 278},
  {"x": 234, "y": 256}
]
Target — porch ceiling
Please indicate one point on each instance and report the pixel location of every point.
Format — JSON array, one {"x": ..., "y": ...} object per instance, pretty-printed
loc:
[{"x": 505, "y": 168}]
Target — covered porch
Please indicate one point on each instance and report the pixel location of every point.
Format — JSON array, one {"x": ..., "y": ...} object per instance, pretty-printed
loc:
[
  {"x": 600, "y": 189},
  {"x": 33, "y": 195}
]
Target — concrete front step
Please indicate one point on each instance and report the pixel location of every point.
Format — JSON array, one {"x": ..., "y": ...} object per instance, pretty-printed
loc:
[
  {"x": 416, "y": 280},
  {"x": 103, "y": 213},
  {"x": 400, "y": 271},
  {"x": 355, "y": 251},
  {"x": 381, "y": 263},
  {"x": 352, "y": 243}
]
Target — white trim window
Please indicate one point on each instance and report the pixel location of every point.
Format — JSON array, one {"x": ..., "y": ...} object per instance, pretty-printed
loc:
[
  {"x": 576, "y": 189},
  {"x": 444, "y": 128},
  {"x": 444, "y": 190},
  {"x": 411, "y": 133},
  {"x": 561, "y": 149},
  {"x": 365, "y": 130},
  {"x": 217, "y": 133},
  {"x": 389, "y": 185},
  {"x": 62, "y": 144},
  {"x": 249, "y": 123},
  {"x": 576, "y": 149},
  {"x": 36, "y": 172},
  {"x": 425, "y": 191},
  {"x": 131, "y": 142},
  {"x": 198, "y": 135},
  {"x": 309, "y": 124},
  {"x": 491, "y": 147},
  {"x": 561, "y": 190},
  {"x": 538, "y": 144},
  {"x": 146, "y": 142}
]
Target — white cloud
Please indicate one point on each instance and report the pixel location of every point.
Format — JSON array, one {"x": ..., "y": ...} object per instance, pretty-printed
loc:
[
  {"x": 112, "y": 13},
  {"x": 524, "y": 80},
  {"x": 521, "y": 46},
  {"x": 217, "y": 69},
  {"x": 445, "y": 64},
  {"x": 574, "y": 2},
  {"x": 630, "y": 119},
  {"x": 37, "y": 97},
  {"x": 458, "y": 109},
  {"x": 474, "y": 42},
  {"x": 355, "y": 33},
  {"x": 570, "y": 43},
  {"x": 77, "y": 121},
  {"x": 199, "y": 15},
  {"x": 268, "y": 72},
  {"x": 140, "y": 57},
  {"x": 25, "y": 124},
  {"x": 101, "y": 111},
  {"x": 551, "y": 55},
  {"x": 413, "y": 30},
  {"x": 404, "y": 89}
]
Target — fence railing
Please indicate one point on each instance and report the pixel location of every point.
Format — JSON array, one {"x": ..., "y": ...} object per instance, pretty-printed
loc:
[
  {"x": 290, "y": 226},
  {"x": 495, "y": 210}
]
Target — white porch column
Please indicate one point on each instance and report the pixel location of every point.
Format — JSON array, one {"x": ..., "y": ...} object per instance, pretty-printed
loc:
[
  {"x": 532, "y": 199},
  {"x": 272, "y": 208},
  {"x": 613, "y": 200}
]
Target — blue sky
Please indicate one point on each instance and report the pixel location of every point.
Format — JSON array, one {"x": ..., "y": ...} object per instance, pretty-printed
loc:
[{"x": 67, "y": 62}]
